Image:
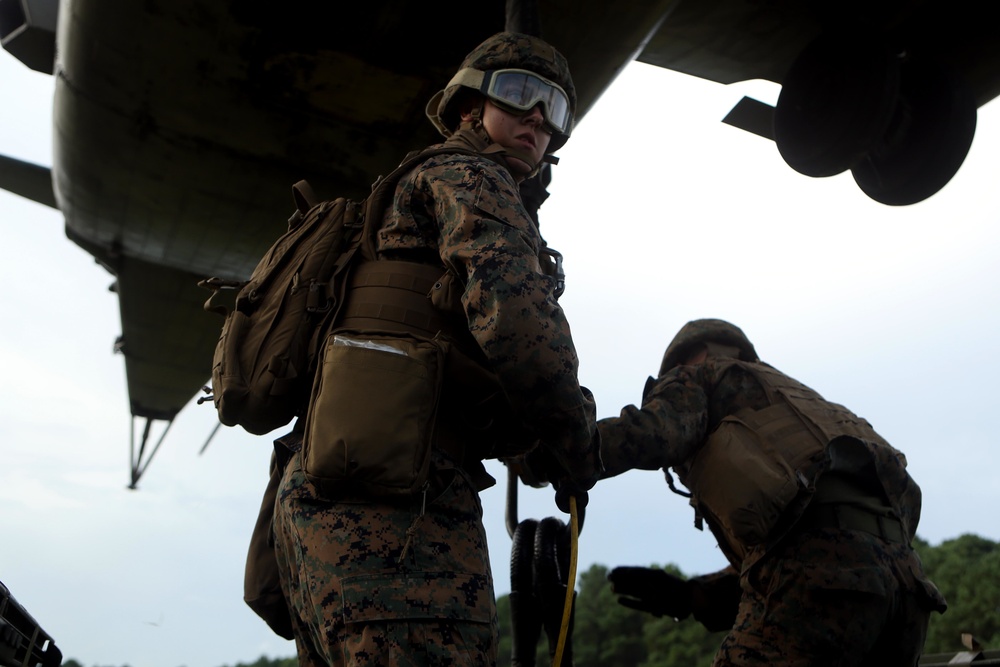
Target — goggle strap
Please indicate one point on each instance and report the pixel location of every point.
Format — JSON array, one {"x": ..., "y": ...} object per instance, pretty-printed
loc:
[{"x": 468, "y": 77}]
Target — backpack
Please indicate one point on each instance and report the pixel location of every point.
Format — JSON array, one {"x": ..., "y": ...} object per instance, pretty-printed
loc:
[{"x": 263, "y": 366}]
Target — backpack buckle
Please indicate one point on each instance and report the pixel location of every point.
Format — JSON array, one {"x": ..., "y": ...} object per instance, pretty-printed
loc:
[
  {"x": 551, "y": 262},
  {"x": 317, "y": 299}
]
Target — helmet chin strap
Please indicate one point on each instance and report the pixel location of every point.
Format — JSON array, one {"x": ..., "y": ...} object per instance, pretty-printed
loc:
[{"x": 475, "y": 125}]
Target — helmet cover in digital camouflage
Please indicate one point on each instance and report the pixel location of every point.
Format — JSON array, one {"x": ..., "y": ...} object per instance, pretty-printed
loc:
[
  {"x": 697, "y": 332},
  {"x": 506, "y": 50}
]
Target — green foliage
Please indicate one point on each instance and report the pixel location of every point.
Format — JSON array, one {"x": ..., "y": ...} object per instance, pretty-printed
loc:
[
  {"x": 504, "y": 647},
  {"x": 264, "y": 661},
  {"x": 672, "y": 643},
  {"x": 967, "y": 571},
  {"x": 606, "y": 634}
]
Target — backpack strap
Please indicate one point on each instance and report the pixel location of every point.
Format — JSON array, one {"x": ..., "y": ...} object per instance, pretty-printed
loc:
[{"x": 320, "y": 297}]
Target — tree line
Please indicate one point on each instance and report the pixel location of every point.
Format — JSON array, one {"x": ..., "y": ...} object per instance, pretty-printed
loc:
[{"x": 606, "y": 634}]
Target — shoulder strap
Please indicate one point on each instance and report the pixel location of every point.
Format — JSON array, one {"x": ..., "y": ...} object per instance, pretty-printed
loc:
[{"x": 384, "y": 188}]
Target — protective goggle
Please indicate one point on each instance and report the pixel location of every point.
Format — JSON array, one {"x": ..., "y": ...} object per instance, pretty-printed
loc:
[{"x": 520, "y": 91}]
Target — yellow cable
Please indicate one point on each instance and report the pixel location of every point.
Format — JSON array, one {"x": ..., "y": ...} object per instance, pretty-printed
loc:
[{"x": 574, "y": 534}]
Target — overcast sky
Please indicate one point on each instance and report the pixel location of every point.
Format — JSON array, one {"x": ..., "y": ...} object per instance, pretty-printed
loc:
[{"x": 664, "y": 215}]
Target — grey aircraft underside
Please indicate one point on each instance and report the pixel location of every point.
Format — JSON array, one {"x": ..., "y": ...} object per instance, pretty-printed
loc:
[{"x": 179, "y": 125}]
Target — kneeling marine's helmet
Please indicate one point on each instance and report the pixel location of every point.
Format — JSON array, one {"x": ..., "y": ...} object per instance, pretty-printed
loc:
[
  {"x": 517, "y": 72},
  {"x": 697, "y": 332}
]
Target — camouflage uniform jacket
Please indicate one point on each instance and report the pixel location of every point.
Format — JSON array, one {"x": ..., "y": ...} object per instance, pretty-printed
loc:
[
  {"x": 466, "y": 212},
  {"x": 684, "y": 407}
]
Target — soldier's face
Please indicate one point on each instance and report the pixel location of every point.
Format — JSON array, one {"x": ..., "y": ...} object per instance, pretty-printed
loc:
[{"x": 523, "y": 133}]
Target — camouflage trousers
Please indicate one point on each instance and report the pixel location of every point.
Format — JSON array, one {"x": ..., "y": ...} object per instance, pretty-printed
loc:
[
  {"x": 832, "y": 597},
  {"x": 376, "y": 583}
]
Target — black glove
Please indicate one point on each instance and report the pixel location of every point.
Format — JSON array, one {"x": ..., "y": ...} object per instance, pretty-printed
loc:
[
  {"x": 528, "y": 473},
  {"x": 582, "y": 470},
  {"x": 651, "y": 590},
  {"x": 715, "y": 599},
  {"x": 538, "y": 466},
  {"x": 567, "y": 489}
]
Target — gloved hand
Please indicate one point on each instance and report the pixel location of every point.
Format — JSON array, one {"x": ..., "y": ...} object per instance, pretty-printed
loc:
[
  {"x": 651, "y": 590},
  {"x": 538, "y": 466},
  {"x": 568, "y": 446},
  {"x": 715, "y": 599},
  {"x": 541, "y": 465},
  {"x": 566, "y": 490},
  {"x": 582, "y": 469},
  {"x": 583, "y": 463},
  {"x": 527, "y": 470}
]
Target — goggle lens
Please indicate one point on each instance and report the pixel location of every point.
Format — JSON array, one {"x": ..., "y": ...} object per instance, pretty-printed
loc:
[{"x": 523, "y": 90}]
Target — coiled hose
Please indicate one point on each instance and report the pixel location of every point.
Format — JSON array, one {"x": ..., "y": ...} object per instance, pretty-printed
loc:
[{"x": 543, "y": 578}]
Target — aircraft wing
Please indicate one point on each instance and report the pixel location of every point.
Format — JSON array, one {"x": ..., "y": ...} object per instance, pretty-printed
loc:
[
  {"x": 888, "y": 90},
  {"x": 180, "y": 125},
  {"x": 738, "y": 40}
]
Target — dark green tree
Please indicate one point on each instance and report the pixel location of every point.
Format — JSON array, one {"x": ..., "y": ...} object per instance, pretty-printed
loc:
[
  {"x": 967, "y": 571},
  {"x": 504, "y": 646},
  {"x": 673, "y": 643},
  {"x": 605, "y": 634},
  {"x": 264, "y": 661}
]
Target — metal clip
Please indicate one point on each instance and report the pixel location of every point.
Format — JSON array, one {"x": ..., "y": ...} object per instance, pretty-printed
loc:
[{"x": 551, "y": 262}]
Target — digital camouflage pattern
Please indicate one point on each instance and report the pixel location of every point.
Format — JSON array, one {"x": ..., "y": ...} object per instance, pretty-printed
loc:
[
  {"x": 507, "y": 50},
  {"x": 784, "y": 578},
  {"x": 831, "y": 598},
  {"x": 372, "y": 583},
  {"x": 467, "y": 213},
  {"x": 706, "y": 331},
  {"x": 683, "y": 408}
]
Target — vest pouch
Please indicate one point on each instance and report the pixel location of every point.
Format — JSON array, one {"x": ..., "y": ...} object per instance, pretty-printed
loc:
[
  {"x": 745, "y": 479},
  {"x": 371, "y": 418}
]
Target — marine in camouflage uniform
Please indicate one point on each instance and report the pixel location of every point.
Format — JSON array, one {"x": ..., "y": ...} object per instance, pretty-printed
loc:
[
  {"x": 822, "y": 572},
  {"x": 407, "y": 582}
]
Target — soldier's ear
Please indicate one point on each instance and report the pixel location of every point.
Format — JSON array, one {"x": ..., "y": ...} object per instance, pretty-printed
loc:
[{"x": 470, "y": 105}]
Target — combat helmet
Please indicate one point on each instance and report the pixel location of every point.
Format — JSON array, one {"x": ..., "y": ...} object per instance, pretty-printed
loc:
[
  {"x": 706, "y": 331},
  {"x": 508, "y": 52}
]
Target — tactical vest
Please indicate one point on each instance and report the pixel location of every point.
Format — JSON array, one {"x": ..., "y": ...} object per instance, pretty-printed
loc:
[
  {"x": 475, "y": 419},
  {"x": 757, "y": 470}
]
